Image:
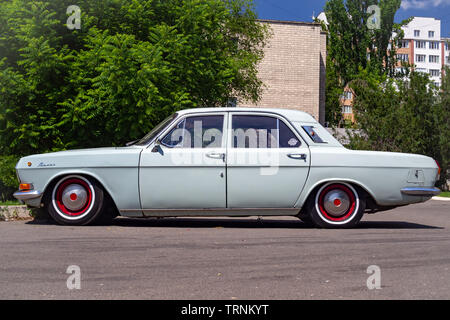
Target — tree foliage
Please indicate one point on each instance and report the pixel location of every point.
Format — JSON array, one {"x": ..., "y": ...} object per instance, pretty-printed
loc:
[
  {"x": 132, "y": 63},
  {"x": 352, "y": 45},
  {"x": 402, "y": 115}
]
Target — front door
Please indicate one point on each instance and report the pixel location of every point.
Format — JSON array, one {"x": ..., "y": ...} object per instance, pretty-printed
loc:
[
  {"x": 187, "y": 169},
  {"x": 267, "y": 162}
]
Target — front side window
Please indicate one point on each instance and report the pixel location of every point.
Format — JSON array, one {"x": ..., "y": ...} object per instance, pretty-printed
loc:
[
  {"x": 196, "y": 132},
  {"x": 262, "y": 132},
  {"x": 156, "y": 130}
]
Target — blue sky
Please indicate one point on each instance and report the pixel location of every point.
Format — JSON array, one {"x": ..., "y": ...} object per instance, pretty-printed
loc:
[{"x": 302, "y": 10}]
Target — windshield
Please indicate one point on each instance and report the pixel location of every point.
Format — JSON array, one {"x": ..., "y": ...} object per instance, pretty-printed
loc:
[{"x": 156, "y": 130}]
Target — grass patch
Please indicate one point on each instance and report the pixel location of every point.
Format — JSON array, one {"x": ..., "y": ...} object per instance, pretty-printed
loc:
[
  {"x": 445, "y": 194},
  {"x": 10, "y": 203}
]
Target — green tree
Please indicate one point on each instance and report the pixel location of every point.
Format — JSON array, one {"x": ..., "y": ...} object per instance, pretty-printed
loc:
[
  {"x": 132, "y": 63},
  {"x": 401, "y": 115},
  {"x": 352, "y": 45}
]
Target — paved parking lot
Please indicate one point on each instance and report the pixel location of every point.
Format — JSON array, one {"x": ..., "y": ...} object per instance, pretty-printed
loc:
[{"x": 231, "y": 258}]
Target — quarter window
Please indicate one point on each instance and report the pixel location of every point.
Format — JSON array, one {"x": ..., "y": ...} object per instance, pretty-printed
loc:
[
  {"x": 262, "y": 132},
  {"x": 313, "y": 134},
  {"x": 196, "y": 132}
]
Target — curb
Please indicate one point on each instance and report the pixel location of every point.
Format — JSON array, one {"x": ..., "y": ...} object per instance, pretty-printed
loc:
[
  {"x": 9, "y": 213},
  {"x": 441, "y": 198}
]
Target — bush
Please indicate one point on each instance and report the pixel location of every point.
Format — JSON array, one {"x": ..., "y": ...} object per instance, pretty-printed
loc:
[{"x": 8, "y": 178}]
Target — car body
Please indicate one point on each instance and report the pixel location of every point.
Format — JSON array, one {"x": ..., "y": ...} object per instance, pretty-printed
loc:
[{"x": 230, "y": 162}]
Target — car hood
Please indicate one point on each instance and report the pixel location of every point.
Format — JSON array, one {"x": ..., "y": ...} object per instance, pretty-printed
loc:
[{"x": 96, "y": 157}]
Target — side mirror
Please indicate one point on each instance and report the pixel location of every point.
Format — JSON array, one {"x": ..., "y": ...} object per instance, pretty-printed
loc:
[{"x": 157, "y": 147}]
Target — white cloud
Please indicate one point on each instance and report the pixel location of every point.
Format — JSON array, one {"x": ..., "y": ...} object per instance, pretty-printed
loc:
[{"x": 423, "y": 4}]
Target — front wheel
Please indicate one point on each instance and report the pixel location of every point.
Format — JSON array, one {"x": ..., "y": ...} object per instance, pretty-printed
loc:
[
  {"x": 336, "y": 205},
  {"x": 75, "y": 200}
]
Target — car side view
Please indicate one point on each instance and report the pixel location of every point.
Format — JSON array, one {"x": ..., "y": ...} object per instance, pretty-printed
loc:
[{"x": 226, "y": 162}]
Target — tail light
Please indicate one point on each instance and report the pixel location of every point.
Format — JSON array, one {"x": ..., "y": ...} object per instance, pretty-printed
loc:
[{"x": 439, "y": 168}]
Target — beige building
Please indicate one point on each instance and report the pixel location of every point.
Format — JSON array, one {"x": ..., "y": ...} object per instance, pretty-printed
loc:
[{"x": 293, "y": 68}]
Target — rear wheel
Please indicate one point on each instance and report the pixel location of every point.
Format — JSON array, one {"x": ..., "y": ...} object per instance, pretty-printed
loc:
[
  {"x": 336, "y": 205},
  {"x": 75, "y": 200}
]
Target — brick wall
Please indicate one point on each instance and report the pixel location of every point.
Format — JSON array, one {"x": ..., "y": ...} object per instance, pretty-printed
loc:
[{"x": 293, "y": 68}]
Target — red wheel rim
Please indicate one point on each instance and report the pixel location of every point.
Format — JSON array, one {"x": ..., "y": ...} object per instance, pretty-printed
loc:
[
  {"x": 59, "y": 194},
  {"x": 348, "y": 213}
]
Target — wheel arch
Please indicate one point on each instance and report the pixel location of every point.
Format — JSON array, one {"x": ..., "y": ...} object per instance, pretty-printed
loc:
[
  {"x": 54, "y": 179},
  {"x": 359, "y": 186}
]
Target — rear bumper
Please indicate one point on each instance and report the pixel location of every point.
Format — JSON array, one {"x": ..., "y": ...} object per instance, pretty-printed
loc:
[
  {"x": 420, "y": 191},
  {"x": 27, "y": 195}
]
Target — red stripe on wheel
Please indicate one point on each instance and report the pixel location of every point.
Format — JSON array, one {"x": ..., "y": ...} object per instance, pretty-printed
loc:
[
  {"x": 351, "y": 196},
  {"x": 59, "y": 193}
]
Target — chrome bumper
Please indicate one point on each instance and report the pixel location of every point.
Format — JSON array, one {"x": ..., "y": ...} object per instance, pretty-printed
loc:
[
  {"x": 418, "y": 191},
  {"x": 27, "y": 195}
]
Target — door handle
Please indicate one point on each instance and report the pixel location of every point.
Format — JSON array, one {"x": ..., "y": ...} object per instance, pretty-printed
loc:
[
  {"x": 216, "y": 155},
  {"x": 298, "y": 156}
]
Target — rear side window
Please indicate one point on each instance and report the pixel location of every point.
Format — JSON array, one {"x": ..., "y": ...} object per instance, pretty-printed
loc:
[
  {"x": 262, "y": 132},
  {"x": 313, "y": 134}
]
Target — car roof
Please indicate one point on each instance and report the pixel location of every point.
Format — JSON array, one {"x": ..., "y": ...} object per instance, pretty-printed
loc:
[{"x": 292, "y": 115}]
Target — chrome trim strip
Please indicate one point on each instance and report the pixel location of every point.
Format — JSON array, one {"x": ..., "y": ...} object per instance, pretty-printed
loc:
[
  {"x": 26, "y": 195},
  {"x": 418, "y": 191},
  {"x": 208, "y": 209}
]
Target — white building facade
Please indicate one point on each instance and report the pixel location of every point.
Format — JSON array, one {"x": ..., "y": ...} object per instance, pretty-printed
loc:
[{"x": 428, "y": 52}]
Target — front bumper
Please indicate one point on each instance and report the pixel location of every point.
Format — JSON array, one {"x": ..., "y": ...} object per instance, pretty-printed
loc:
[
  {"x": 27, "y": 195},
  {"x": 420, "y": 191}
]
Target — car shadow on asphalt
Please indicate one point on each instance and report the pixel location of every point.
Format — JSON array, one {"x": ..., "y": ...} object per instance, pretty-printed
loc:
[
  {"x": 268, "y": 223},
  {"x": 253, "y": 223}
]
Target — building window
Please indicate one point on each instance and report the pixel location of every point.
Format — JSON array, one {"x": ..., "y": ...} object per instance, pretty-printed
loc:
[
  {"x": 446, "y": 46},
  {"x": 421, "y": 70},
  {"x": 421, "y": 44},
  {"x": 403, "y": 57},
  {"x": 434, "y": 72},
  {"x": 416, "y": 33},
  {"x": 434, "y": 45},
  {"x": 347, "y": 95},
  {"x": 347, "y": 109},
  {"x": 430, "y": 34},
  {"x": 433, "y": 59},
  {"x": 403, "y": 44},
  {"x": 420, "y": 58}
]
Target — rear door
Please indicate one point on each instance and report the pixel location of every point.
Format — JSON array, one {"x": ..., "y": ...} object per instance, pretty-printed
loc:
[{"x": 267, "y": 161}]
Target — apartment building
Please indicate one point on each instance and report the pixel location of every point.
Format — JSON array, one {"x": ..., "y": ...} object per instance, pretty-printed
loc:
[
  {"x": 446, "y": 51},
  {"x": 423, "y": 47}
]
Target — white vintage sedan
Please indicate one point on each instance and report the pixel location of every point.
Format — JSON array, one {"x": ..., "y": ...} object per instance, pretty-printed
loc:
[{"x": 226, "y": 162}]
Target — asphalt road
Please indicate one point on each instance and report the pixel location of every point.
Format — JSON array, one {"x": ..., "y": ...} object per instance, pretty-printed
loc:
[{"x": 231, "y": 258}]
